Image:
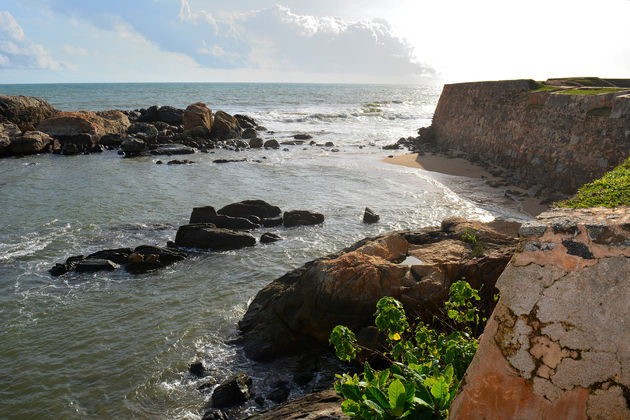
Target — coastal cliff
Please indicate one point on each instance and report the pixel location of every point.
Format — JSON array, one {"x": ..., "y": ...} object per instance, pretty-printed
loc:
[{"x": 555, "y": 138}]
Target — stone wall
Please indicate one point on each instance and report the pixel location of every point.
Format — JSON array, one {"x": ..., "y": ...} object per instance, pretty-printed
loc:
[
  {"x": 540, "y": 138},
  {"x": 558, "y": 343}
]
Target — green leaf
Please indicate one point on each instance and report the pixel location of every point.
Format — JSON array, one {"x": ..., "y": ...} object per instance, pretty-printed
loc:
[
  {"x": 452, "y": 313},
  {"x": 367, "y": 372},
  {"x": 375, "y": 407},
  {"x": 439, "y": 390},
  {"x": 397, "y": 394},
  {"x": 350, "y": 408},
  {"x": 377, "y": 396},
  {"x": 351, "y": 391},
  {"x": 382, "y": 380},
  {"x": 449, "y": 373}
]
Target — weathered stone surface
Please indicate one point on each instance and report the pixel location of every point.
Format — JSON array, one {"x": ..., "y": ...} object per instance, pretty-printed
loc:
[
  {"x": 207, "y": 236},
  {"x": 557, "y": 342},
  {"x": 147, "y": 257},
  {"x": 133, "y": 146},
  {"x": 323, "y": 405},
  {"x": 114, "y": 122},
  {"x": 24, "y": 110},
  {"x": 84, "y": 127},
  {"x": 202, "y": 214},
  {"x": 118, "y": 255},
  {"x": 147, "y": 132},
  {"x": 93, "y": 265},
  {"x": 247, "y": 208},
  {"x": 198, "y": 116},
  {"x": 208, "y": 214},
  {"x": 233, "y": 391},
  {"x": 29, "y": 143},
  {"x": 225, "y": 126},
  {"x": 302, "y": 218}
]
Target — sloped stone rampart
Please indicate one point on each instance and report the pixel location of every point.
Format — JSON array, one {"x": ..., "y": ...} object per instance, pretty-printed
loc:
[
  {"x": 558, "y": 343},
  {"x": 549, "y": 139}
]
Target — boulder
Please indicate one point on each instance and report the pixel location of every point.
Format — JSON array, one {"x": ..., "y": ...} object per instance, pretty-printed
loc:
[
  {"x": 133, "y": 146},
  {"x": 302, "y": 137},
  {"x": 225, "y": 126},
  {"x": 4, "y": 145},
  {"x": 24, "y": 110},
  {"x": 171, "y": 115},
  {"x": 248, "y": 208},
  {"x": 197, "y": 369},
  {"x": 271, "y": 144},
  {"x": 113, "y": 122},
  {"x": 268, "y": 238},
  {"x": 112, "y": 140},
  {"x": 94, "y": 265},
  {"x": 9, "y": 130},
  {"x": 207, "y": 214},
  {"x": 198, "y": 117},
  {"x": 233, "y": 391},
  {"x": 118, "y": 255},
  {"x": 83, "y": 128},
  {"x": 148, "y": 132},
  {"x": 147, "y": 257},
  {"x": 173, "y": 149},
  {"x": 271, "y": 221},
  {"x": 202, "y": 214},
  {"x": 179, "y": 162},
  {"x": 245, "y": 121},
  {"x": 207, "y": 236},
  {"x": 30, "y": 142},
  {"x": 69, "y": 265},
  {"x": 256, "y": 143},
  {"x": 301, "y": 217},
  {"x": 297, "y": 312},
  {"x": 369, "y": 216},
  {"x": 70, "y": 149},
  {"x": 249, "y": 133}
]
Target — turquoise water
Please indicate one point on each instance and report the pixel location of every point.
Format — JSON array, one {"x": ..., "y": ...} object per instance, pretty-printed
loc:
[{"x": 117, "y": 345}]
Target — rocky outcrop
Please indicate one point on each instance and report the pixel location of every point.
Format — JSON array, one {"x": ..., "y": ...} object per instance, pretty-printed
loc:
[
  {"x": 29, "y": 143},
  {"x": 550, "y": 139},
  {"x": 556, "y": 345},
  {"x": 208, "y": 236},
  {"x": 233, "y": 391},
  {"x": 113, "y": 122},
  {"x": 207, "y": 214},
  {"x": 24, "y": 110},
  {"x": 198, "y": 119},
  {"x": 84, "y": 127},
  {"x": 298, "y": 310},
  {"x": 316, "y": 406},
  {"x": 225, "y": 126}
]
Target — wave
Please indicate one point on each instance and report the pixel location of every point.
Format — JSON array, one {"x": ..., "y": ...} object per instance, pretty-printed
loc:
[{"x": 16, "y": 246}]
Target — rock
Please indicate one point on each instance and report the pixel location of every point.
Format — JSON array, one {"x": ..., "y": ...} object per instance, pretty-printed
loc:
[
  {"x": 198, "y": 117},
  {"x": 202, "y": 214},
  {"x": 280, "y": 393},
  {"x": 271, "y": 144},
  {"x": 207, "y": 236},
  {"x": 233, "y": 391},
  {"x": 302, "y": 137},
  {"x": 119, "y": 255},
  {"x": 302, "y": 218},
  {"x": 225, "y": 126},
  {"x": 197, "y": 369},
  {"x": 66, "y": 267},
  {"x": 249, "y": 133},
  {"x": 22, "y": 110},
  {"x": 93, "y": 265},
  {"x": 4, "y": 145},
  {"x": 256, "y": 143},
  {"x": 268, "y": 237},
  {"x": 148, "y": 132},
  {"x": 293, "y": 142},
  {"x": 271, "y": 221},
  {"x": 329, "y": 144},
  {"x": 30, "y": 142},
  {"x": 113, "y": 122},
  {"x": 229, "y": 160},
  {"x": 173, "y": 149},
  {"x": 112, "y": 140},
  {"x": 180, "y": 162},
  {"x": 245, "y": 121},
  {"x": 70, "y": 149},
  {"x": 133, "y": 146},
  {"x": 247, "y": 208},
  {"x": 84, "y": 127},
  {"x": 369, "y": 216},
  {"x": 207, "y": 214},
  {"x": 323, "y": 405},
  {"x": 146, "y": 258},
  {"x": 214, "y": 415},
  {"x": 170, "y": 115},
  {"x": 9, "y": 130}
]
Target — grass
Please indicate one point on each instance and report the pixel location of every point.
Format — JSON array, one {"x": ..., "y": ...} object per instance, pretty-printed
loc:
[
  {"x": 590, "y": 91},
  {"x": 600, "y": 112},
  {"x": 546, "y": 88},
  {"x": 611, "y": 190}
]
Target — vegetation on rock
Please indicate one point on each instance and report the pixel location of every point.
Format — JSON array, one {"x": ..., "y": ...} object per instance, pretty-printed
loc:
[
  {"x": 611, "y": 190},
  {"x": 426, "y": 366}
]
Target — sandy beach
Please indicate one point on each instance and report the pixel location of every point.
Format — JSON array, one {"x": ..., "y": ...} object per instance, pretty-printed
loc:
[{"x": 462, "y": 167}]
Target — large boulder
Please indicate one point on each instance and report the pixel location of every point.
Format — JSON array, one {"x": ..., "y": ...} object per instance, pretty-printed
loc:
[
  {"x": 146, "y": 131},
  {"x": 113, "y": 122},
  {"x": 233, "y": 391},
  {"x": 298, "y": 311},
  {"x": 302, "y": 218},
  {"x": 7, "y": 132},
  {"x": 29, "y": 143},
  {"x": 84, "y": 128},
  {"x": 207, "y": 236},
  {"x": 247, "y": 208},
  {"x": 225, "y": 126},
  {"x": 245, "y": 121},
  {"x": 132, "y": 146},
  {"x": 171, "y": 115},
  {"x": 198, "y": 117},
  {"x": 207, "y": 214},
  {"x": 24, "y": 110}
]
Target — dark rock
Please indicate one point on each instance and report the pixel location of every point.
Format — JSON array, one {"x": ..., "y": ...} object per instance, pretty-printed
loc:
[
  {"x": 208, "y": 214},
  {"x": 280, "y": 393},
  {"x": 323, "y": 405},
  {"x": 247, "y": 208},
  {"x": 334, "y": 150},
  {"x": 369, "y": 216},
  {"x": 271, "y": 221},
  {"x": 391, "y": 147},
  {"x": 245, "y": 121},
  {"x": 229, "y": 160},
  {"x": 254, "y": 219},
  {"x": 23, "y": 110},
  {"x": 532, "y": 229},
  {"x": 132, "y": 146},
  {"x": 233, "y": 391},
  {"x": 97, "y": 148},
  {"x": 149, "y": 131},
  {"x": 202, "y": 214},
  {"x": 564, "y": 225},
  {"x": 604, "y": 235},
  {"x": 197, "y": 369},
  {"x": 159, "y": 162},
  {"x": 119, "y": 255},
  {"x": 302, "y": 217},
  {"x": 268, "y": 237},
  {"x": 329, "y": 144},
  {"x": 271, "y": 144},
  {"x": 66, "y": 267},
  {"x": 578, "y": 249},
  {"x": 302, "y": 137},
  {"x": 146, "y": 258},
  {"x": 70, "y": 149},
  {"x": 173, "y": 149},
  {"x": 225, "y": 126},
  {"x": 93, "y": 265},
  {"x": 171, "y": 115},
  {"x": 30, "y": 142},
  {"x": 293, "y": 142},
  {"x": 207, "y": 236},
  {"x": 259, "y": 400},
  {"x": 256, "y": 143},
  {"x": 249, "y": 133},
  {"x": 214, "y": 415},
  {"x": 180, "y": 162},
  {"x": 112, "y": 139}
]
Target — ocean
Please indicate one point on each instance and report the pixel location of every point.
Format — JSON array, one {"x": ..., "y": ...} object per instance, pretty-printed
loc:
[{"x": 118, "y": 345}]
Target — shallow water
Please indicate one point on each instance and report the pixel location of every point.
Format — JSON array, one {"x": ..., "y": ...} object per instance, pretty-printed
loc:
[{"x": 118, "y": 345}]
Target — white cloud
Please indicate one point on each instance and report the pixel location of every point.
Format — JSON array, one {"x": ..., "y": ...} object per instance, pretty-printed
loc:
[
  {"x": 72, "y": 50},
  {"x": 17, "y": 51}
]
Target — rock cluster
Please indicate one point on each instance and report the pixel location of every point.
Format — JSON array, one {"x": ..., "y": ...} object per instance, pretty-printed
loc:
[{"x": 556, "y": 345}]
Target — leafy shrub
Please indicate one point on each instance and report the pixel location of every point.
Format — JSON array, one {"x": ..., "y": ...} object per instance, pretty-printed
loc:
[{"x": 426, "y": 366}]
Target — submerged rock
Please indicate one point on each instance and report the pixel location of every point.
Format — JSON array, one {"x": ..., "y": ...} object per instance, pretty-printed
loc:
[
  {"x": 248, "y": 208},
  {"x": 147, "y": 257},
  {"x": 173, "y": 149},
  {"x": 197, "y": 369},
  {"x": 208, "y": 236},
  {"x": 233, "y": 391},
  {"x": 268, "y": 237},
  {"x": 302, "y": 217},
  {"x": 93, "y": 265}
]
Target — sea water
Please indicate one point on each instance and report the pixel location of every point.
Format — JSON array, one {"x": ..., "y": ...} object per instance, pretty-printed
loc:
[{"x": 117, "y": 345}]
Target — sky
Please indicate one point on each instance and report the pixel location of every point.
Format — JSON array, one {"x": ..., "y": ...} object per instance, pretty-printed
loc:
[{"x": 345, "y": 41}]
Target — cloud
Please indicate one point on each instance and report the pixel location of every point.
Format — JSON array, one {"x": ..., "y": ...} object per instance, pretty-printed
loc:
[
  {"x": 17, "y": 51},
  {"x": 72, "y": 50}
]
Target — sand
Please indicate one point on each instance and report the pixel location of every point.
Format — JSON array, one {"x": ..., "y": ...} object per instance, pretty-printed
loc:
[{"x": 462, "y": 167}]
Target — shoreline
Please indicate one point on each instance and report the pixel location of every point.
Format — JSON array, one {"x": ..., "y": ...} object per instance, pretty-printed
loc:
[{"x": 460, "y": 167}]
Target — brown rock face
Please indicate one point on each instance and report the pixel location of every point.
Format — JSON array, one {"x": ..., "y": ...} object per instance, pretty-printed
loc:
[
  {"x": 556, "y": 345},
  {"x": 225, "y": 126},
  {"x": 29, "y": 143},
  {"x": 299, "y": 310},
  {"x": 24, "y": 110},
  {"x": 319, "y": 405},
  {"x": 113, "y": 122},
  {"x": 198, "y": 115}
]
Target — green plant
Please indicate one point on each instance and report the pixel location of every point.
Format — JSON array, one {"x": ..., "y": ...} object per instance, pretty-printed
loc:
[
  {"x": 426, "y": 365},
  {"x": 590, "y": 91},
  {"x": 469, "y": 237}
]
